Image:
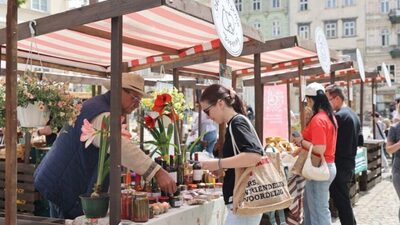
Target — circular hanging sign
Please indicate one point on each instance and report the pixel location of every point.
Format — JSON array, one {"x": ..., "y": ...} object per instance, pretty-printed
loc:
[
  {"x": 228, "y": 25},
  {"x": 360, "y": 65},
  {"x": 386, "y": 75},
  {"x": 322, "y": 50}
]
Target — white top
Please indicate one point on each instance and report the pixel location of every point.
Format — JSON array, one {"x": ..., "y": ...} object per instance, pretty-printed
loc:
[{"x": 207, "y": 124}]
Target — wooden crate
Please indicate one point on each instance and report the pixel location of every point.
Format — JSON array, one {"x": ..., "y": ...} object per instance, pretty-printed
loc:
[
  {"x": 369, "y": 178},
  {"x": 26, "y": 194}
]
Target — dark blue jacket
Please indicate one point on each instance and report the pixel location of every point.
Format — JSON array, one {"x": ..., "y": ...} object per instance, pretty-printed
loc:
[{"x": 69, "y": 169}]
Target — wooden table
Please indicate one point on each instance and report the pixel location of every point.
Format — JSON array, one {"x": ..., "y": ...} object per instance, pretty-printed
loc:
[{"x": 211, "y": 213}]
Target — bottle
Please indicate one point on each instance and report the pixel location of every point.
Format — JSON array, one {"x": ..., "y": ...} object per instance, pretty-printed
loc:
[
  {"x": 166, "y": 168},
  {"x": 138, "y": 185},
  {"x": 197, "y": 171},
  {"x": 179, "y": 170},
  {"x": 172, "y": 168}
]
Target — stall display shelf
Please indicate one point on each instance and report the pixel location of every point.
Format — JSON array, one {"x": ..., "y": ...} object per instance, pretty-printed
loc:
[{"x": 373, "y": 175}]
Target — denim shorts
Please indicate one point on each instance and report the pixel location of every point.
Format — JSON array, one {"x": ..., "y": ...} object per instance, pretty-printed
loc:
[{"x": 233, "y": 219}]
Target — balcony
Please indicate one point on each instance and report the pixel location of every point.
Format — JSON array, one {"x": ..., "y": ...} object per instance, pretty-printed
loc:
[
  {"x": 395, "y": 53},
  {"x": 394, "y": 16}
]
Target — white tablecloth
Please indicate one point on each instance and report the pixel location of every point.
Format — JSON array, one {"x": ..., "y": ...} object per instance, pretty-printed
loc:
[{"x": 211, "y": 213}]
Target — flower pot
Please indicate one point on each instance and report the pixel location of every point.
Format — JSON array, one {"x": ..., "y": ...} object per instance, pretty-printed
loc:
[
  {"x": 32, "y": 116},
  {"x": 95, "y": 207}
]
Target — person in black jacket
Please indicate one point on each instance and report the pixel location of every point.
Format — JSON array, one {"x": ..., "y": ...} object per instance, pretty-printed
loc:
[{"x": 349, "y": 133}]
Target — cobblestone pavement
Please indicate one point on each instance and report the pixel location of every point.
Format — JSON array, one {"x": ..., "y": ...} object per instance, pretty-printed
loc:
[{"x": 379, "y": 206}]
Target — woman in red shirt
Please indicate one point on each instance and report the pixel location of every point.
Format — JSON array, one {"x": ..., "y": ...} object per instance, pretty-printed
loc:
[{"x": 320, "y": 132}]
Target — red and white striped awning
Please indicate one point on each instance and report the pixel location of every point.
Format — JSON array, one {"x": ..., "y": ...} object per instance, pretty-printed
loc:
[{"x": 162, "y": 26}]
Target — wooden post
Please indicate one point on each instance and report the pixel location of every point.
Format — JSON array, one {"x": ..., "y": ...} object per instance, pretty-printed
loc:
[
  {"x": 348, "y": 91},
  {"x": 222, "y": 67},
  {"x": 115, "y": 120},
  {"x": 361, "y": 103},
  {"x": 332, "y": 77},
  {"x": 289, "y": 116},
  {"x": 11, "y": 114},
  {"x": 258, "y": 96},
  {"x": 301, "y": 105},
  {"x": 234, "y": 81},
  {"x": 373, "y": 94},
  {"x": 28, "y": 146},
  {"x": 98, "y": 89},
  {"x": 93, "y": 90}
]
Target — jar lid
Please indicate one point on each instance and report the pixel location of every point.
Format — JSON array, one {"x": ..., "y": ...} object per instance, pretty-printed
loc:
[{"x": 140, "y": 194}]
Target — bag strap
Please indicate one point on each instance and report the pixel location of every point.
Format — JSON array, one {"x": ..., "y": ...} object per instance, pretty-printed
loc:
[
  {"x": 310, "y": 152},
  {"x": 235, "y": 147}
]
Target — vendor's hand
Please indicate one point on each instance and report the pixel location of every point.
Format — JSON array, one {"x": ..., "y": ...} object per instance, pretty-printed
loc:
[
  {"x": 218, "y": 173},
  {"x": 165, "y": 181},
  {"x": 210, "y": 165}
]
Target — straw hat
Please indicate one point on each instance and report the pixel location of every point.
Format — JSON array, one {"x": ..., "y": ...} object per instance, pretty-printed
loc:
[{"x": 132, "y": 82}]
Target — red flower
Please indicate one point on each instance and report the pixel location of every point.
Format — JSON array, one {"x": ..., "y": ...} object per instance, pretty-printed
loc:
[
  {"x": 149, "y": 122},
  {"x": 161, "y": 101},
  {"x": 173, "y": 116}
]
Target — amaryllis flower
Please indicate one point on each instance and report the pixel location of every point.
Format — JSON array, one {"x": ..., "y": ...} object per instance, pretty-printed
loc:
[
  {"x": 149, "y": 122},
  {"x": 88, "y": 133},
  {"x": 124, "y": 132},
  {"x": 161, "y": 101}
]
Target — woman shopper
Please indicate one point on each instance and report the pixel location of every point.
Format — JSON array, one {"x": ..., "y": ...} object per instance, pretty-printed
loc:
[
  {"x": 224, "y": 106},
  {"x": 320, "y": 132}
]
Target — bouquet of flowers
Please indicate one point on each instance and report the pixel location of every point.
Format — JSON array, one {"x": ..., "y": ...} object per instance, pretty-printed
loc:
[{"x": 163, "y": 110}]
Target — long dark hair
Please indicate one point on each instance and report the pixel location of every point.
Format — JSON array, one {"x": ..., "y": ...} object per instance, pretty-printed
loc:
[
  {"x": 215, "y": 92},
  {"x": 322, "y": 102}
]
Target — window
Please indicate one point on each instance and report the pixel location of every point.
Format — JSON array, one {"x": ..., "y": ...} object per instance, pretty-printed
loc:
[
  {"x": 385, "y": 37},
  {"x": 40, "y": 5},
  {"x": 304, "y": 30},
  {"x": 256, "y": 5},
  {"x": 238, "y": 4},
  {"x": 392, "y": 71},
  {"x": 384, "y": 6},
  {"x": 257, "y": 25},
  {"x": 398, "y": 4},
  {"x": 398, "y": 39},
  {"x": 276, "y": 4},
  {"x": 349, "y": 2},
  {"x": 77, "y": 3},
  {"x": 276, "y": 28},
  {"x": 352, "y": 53},
  {"x": 330, "y": 3},
  {"x": 331, "y": 29},
  {"x": 303, "y": 5},
  {"x": 349, "y": 28}
]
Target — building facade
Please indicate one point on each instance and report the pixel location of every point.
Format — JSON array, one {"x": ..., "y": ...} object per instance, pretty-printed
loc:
[
  {"x": 33, "y": 9},
  {"x": 383, "y": 45}
]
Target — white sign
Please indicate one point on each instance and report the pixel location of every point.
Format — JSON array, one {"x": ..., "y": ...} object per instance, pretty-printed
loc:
[
  {"x": 386, "y": 75},
  {"x": 322, "y": 50},
  {"x": 360, "y": 65},
  {"x": 228, "y": 25}
]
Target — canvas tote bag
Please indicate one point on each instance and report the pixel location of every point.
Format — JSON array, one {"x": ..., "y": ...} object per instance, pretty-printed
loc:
[
  {"x": 261, "y": 188},
  {"x": 311, "y": 172}
]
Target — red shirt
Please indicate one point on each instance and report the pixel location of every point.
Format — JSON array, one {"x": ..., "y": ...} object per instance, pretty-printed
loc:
[{"x": 321, "y": 131}]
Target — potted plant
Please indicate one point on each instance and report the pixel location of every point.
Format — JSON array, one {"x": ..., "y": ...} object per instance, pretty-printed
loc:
[
  {"x": 38, "y": 101},
  {"x": 95, "y": 204}
]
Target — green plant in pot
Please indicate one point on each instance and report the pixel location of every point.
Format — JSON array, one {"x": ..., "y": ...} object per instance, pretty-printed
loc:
[{"x": 95, "y": 204}]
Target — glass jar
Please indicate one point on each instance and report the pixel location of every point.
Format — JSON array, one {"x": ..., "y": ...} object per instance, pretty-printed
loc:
[
  {"x": 126, "y": 202},
  {"x": 140, "y": 207}
]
